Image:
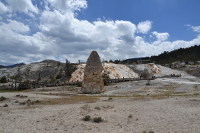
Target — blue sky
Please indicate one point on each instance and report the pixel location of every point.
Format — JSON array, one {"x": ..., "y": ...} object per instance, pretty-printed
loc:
[
  {"x": 170, "y": 16},
  {"x": 35, "y": 30}
]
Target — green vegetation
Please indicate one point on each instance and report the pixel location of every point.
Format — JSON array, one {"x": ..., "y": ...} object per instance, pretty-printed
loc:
[
  {"x": 58, "y": 76},
  {"x": 22, "y": 103},
  {"x": 97, "y": 119},
  {"x": 79, "y": 84},
  {"x": 110, "y": 98},
  {"x": 2, "y": 98},
  {"x": 86, "y": 118},
  {"x": 183, "y": 54},
  {"x": 106, "y": 107},
  {"x": 69, "y": 69},
  {"x": 3, "y": 79},
  {"x": 130, "y": 116},
  {"x": 98, "y": 108},
  {"x": 67, "y": 100},
  {"x": 6, "y": 105}
]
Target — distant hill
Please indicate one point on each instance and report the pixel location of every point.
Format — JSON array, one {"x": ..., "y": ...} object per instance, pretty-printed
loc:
[
  {"x": 11, "y": 66},
  {"x": 44, "y": 71},
  {"x": 183, "y": 54}
]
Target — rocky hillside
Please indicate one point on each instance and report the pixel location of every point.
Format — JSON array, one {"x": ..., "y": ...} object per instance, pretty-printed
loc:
[
  {"x": 48, "y": 70},
  {"x": 51, "y": 71},
  {"x": 129, "y": 71},
  {"x": 111, "y": 69}
]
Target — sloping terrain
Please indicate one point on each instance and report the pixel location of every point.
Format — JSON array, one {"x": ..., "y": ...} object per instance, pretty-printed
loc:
[
  {"x": 78, "y": 73},
  {"x": 111, "y": 69},
  {"x": 119, "y": 71},
  {"x": 191, "y": 69},
  {"x": 39, "y": 71},
  {"x": 50, "y": 70},
  {"x": 157, "y": 70}
]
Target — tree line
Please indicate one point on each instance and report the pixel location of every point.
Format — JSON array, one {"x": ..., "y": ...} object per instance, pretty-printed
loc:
[{"x": 182, "y": 54}]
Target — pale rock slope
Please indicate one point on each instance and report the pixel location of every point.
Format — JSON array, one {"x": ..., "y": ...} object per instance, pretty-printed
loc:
[
  {"x": 78, "y": 74},
  {"x": 119, "y": 71},
  {"x": 113, "y": 71}
]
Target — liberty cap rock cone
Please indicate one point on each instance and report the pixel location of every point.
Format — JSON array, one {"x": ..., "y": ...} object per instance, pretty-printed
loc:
[{"x": 93, "y": 81}]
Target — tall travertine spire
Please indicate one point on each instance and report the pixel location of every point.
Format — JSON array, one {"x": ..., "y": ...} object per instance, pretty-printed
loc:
[{"x": 93, "y": 81}]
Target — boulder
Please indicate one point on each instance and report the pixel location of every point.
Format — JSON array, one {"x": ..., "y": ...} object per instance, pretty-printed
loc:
[{"x": 92, "y": 80}]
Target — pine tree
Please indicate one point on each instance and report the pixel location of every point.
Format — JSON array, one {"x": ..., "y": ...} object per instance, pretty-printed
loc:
[{"x": 3, "y": 79}]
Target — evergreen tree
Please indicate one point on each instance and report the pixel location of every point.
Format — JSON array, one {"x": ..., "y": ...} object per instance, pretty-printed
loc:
[
  {"x": 69, "y": 69},
  {"x": 3, "y": 79}
]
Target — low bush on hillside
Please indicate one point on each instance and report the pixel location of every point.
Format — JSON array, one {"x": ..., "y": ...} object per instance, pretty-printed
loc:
[
  {"x": 97, "y": 119},
  {"x": 86, "y": 118},
  {"x": 2, "y": 98}
]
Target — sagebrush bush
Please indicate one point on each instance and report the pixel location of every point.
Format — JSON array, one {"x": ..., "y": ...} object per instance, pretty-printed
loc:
[
  {"x": 97, "y": 119},
  {"x": 98, "y": 108},
  {"x": 130, "y": 116},
  {"x": 110, "y": 98},
  {"x": 6, "y": 105},
  {"x": 2, "y": 98},
  {"x": 28, "y": 100},
  {"x": 79, "y": 84},
  {"x": 22, "y": 103},
  {"x": 86, "y": 118}
]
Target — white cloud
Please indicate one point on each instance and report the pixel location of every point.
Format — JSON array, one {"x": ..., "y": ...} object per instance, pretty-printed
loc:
[
  {"x": 161, "y": 36},
  {"x": 22, "y": 6},
  {"x": 62, "y": 35},
  {"x": 15, "y": 26},
  {"x": 68, "y": 5},
  {"x": 194, "y": 28},
  {"x": 3, "y": 8},
  {"x": 25, "y": 6},
  {"x": 144, "y": 27},
  {"x": 14, "y": 46}
]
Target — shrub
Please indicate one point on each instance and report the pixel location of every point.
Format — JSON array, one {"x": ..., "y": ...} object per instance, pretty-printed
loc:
[
  {"x": 151, "y": 131},
  {"x": 97, "y": 119},
  {"x": 3, "y": 79},
  {"x": 110, "y": 98},
  {"x": 130, "y": 116},
  {"x": 86, "y": 118},
  {"x": 2, "y": 98},
  {"x": 28, "y": 100},
  {"x": 58, "y": 76},
  {"x": 6, "y": 105},
  {"x": 98, "y": 108},
  {"x": 79, "y": 84},
  {"x": 18, "y": 95},
  {"x": 22, "y": 103},
  {"x": 37, "y": 101}
]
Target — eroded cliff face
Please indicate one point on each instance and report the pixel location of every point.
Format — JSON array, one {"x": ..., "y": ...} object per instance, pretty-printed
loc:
[{"x": 92, "y": 79}]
